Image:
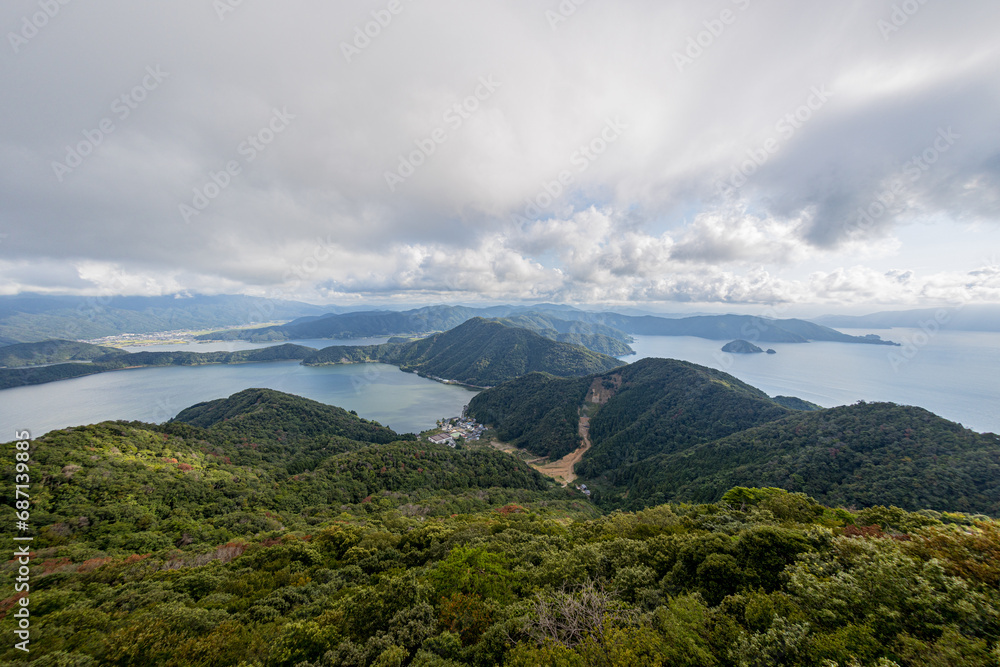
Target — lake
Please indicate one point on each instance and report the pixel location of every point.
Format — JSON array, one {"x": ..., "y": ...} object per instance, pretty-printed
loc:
[
  {"x": 403, "y": 401},
  {"x": 955, "y": 374}
]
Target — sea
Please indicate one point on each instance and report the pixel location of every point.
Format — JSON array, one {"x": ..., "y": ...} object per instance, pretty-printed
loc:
[{"x": 955, "y": 374}]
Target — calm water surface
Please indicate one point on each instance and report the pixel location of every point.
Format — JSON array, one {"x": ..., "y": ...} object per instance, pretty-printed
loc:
[
  {"x": 402, "y": 401},
  {"x": 953, "y": 373}
]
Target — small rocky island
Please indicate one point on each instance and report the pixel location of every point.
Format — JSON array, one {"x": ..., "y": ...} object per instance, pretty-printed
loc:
[
  {"x": 741, "y": 346},
  {"x": 771, "y": 351}
]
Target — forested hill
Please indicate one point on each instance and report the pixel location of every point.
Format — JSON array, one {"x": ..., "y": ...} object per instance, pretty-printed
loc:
[
  {"x": 666, "y": 431},
  {"x": 665, "y": 405},
  {"x": 51, "y": 352},
  {"x": 266, "y": 415},
  {"x": 649, "y": 407},
  {"x": 263, "y": 460},
  {"x": 857, "y": 455},
  {"x": 479, "y": 352},
  {"x": 594, "y": 336},
  {"x": 176, "y": 544},
  {"x": 365, "y": 324}
]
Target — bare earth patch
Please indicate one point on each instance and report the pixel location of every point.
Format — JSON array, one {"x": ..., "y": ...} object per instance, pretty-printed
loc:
[{"x": 562, "y": 470}]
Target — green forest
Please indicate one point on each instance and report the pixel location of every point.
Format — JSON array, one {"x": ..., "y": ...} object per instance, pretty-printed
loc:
[
  {"x": 673, "y": 431},
  {"x": 479, "y": 352},
  {"x": 185, "y": 545},
  {"x": 725, "y": 529}
]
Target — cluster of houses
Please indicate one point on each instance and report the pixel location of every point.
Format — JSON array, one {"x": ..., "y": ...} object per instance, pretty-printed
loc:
[
  {"x": 455, "y": 428},
  {"x": 583, "y": 488}
]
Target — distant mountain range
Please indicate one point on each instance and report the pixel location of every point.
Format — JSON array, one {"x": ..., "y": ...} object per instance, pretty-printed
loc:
[
  {"x": 547, "y": 319},
  {"x": 664, "y": 430},
  {"x": 29, "y": 318},
  {"x": 958, "y": 318}
]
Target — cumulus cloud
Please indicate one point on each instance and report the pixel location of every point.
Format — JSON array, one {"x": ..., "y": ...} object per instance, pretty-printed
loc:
[{"x": 483, "y": 151}]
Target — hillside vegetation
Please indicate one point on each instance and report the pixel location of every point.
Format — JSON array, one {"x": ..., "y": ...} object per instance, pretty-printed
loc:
[
  {"x": 856, "y": 455},
  {"x": 672, "y": 431},
  {"x": 654, "y": 405},
  {"x": 479, "y": 352},
  {"x": 50, "y": 352},
  {"x": 269, "y": 530}
]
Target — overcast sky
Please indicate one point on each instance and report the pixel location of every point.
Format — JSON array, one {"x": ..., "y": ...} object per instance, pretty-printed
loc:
[{"x": 672, "y": 154}]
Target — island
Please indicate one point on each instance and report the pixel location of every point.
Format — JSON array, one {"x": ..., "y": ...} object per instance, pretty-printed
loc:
[{"x": 741, "y": 346}]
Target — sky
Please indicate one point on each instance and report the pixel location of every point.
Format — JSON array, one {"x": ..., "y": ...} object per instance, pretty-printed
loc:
[{"x": 735, "y": 154}]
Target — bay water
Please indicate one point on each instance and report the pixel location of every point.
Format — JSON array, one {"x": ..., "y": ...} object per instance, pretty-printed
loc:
[{"x": 955, "y": 374}]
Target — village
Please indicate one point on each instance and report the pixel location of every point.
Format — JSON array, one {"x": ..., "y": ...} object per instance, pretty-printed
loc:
[
  {"x": 452, "y": 431},
  {"x": 457, "y": 428}
]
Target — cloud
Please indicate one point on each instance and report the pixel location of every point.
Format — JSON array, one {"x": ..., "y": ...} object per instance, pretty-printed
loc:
[{"x": 796, "y": 136}]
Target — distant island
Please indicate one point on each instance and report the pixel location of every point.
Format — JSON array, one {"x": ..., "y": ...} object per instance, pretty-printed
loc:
[{"x": 741, "y": 346}]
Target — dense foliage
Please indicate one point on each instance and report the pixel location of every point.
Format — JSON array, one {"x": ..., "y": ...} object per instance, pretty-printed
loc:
[
  {"x": 653, "y": 406},
  {"x": 258, "y": 460},
  {"x": 479, "y": 352},
  {"x": 762, "y": 578},
  {"x": 665, "y": 405},
  {"x": 538, "y": 412},
  {"x": 863, "y": 454},
  {"x": 669, "y": 431},
  {"x": 796, "y": 403}
]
